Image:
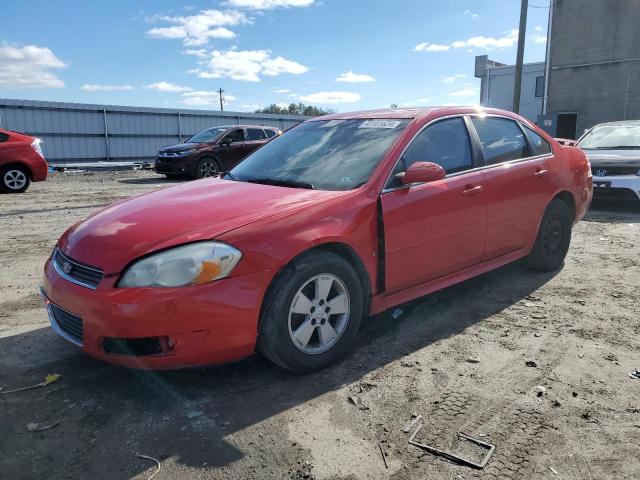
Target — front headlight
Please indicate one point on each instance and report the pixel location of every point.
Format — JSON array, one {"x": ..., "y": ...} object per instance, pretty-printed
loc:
[
  {"x": 191, "y": 264},
  {"x": 186, "y": 152}
]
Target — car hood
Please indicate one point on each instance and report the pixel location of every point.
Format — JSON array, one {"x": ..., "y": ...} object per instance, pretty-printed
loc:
[
  {"x": 613, "y": 158},
  {"x": 180, "y": 147},
  {"x": 200, "y": 210}
]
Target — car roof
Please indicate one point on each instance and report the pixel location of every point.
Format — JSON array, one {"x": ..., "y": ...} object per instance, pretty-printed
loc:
[
  {"x": 631, "y": 123},
  {"x": 413, "y": 113},
  {"x": 243, "y": 126}
]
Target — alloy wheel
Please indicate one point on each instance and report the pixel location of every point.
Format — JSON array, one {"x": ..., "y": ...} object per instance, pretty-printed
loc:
[
  {"x": 15, "y": 179},
  {"x": 319, "y": 313},
  {"x": 208, "y": 169}
]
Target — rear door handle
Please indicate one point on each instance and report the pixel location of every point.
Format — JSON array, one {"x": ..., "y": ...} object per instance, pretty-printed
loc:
[
  {"x": 471, "y": 190},
  {"x": 540, "y": 173}
]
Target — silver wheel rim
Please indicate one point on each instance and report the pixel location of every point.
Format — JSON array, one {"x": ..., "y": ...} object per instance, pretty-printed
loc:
[
  {"x": 15, "y": 179},
  {"x": 208, "y": 169},
  {"x": 319, "y": 314}
]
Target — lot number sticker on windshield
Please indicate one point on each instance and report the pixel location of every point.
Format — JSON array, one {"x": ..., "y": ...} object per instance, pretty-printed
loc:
[{"x": 380, "y": 124}]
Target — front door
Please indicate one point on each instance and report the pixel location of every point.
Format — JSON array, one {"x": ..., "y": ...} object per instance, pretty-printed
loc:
[
  {"x": 231, "y": 153},
  {"x": 434, "y": 229}
]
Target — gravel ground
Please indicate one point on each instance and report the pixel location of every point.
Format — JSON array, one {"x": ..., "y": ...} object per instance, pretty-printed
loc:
[{"x": 535, "y": 363}]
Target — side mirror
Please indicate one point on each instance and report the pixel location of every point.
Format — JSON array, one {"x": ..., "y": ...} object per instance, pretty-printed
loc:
[
  {"x": 225, "y": 141},
  {"x": 423, "y": 172}
]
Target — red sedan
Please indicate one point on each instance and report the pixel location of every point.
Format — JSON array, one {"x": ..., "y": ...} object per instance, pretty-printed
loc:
[
  {"x": 21, "y": 162},
  {"x": 340, "y": 217}
]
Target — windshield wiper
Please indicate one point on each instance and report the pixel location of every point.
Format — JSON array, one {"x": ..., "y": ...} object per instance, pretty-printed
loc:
[
  {"x": 230, "y": 175},
  {"x": 282, "y": 183}
]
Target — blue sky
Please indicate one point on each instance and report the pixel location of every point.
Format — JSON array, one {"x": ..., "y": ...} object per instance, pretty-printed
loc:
[{"x": 340, "y": 54}]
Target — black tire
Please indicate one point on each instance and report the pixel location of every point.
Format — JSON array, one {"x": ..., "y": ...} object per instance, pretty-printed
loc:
[
  {"x": 274, "y": 339},
  {"x": 14, "y": 179},
  {"x": 554, "y": 238},
  {"x": 207, "y": 167}
]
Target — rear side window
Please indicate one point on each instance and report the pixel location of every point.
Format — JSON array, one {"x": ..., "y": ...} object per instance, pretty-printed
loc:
[
  {"x": 270, "y": 133},
  {"x": 3, "y": 137},
  {"x": 541, "y": 145},
  {"x": 255, "y": 134},
  {"x": 501, "y": 139},
  {"x": 445, "y": 143}
]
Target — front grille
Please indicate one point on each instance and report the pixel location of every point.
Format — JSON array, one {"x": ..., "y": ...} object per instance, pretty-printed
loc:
[
  {"x": 68, "y": 322},
  {"x": 76, "y": 272},
  {"x": 607, "y": 171}
]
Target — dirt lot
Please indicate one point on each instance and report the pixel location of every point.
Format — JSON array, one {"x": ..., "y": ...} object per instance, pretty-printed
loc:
[{"x": 458, "y": 357}]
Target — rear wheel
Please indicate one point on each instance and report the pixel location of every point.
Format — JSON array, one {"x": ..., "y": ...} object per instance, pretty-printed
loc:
[
  {"x": 14, "y": 179},
  {"x": 207, "y": 167},
  {"x": 313, "y": 313},
  {"x": 554, "y": 237}
]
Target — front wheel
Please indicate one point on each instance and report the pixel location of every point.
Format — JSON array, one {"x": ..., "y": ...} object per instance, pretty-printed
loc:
[
  {"x": 14, "y": 179},
  {"x": 313, "y": 313},
  {"x": 554, "y": 237},
  {"x": 207, "y": 167}
]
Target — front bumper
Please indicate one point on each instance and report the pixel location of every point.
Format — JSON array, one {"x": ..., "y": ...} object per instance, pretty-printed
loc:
[
  {"x": 175, "y": 165},
  {"x": 201, "y": 325},
  {"x": 620, "y": 187}
]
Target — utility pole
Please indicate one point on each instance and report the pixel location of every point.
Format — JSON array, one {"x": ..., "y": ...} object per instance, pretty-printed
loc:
[
  {"x": 524, "y": 6},
  {"x": 220, "y": 91}
]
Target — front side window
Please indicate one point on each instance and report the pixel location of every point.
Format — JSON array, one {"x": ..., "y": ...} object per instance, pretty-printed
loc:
[
  {"x": 612, "y": 136},
  {"x": 541, "y": 145},
  {"x": 3, "y": 137},
  {"x": 255, "y": 134},
  {"x": 501, "y": 139},
  {"x": 236, "y": 135},
  {"x": 207, "y": 135},
  {"x": 326, "y": 155},
  {"x": 270, "y": 133}
]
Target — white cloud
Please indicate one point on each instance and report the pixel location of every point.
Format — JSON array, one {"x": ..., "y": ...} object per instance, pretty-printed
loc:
[
  {"x": 283, "y": 90},
  {"x": 29, "y": 67},
  {"x": 453, "y": 78},
  {"x": 247, "y": 65},
  {"x": 509, "y": 39},
  {"x": 168, "y": 87},
  {"x": 205, "y": 98},
  {"x": 471, "y": 14},
  {"x": 430, "y": 47},
  {"x": 538, "y": 28},
  {"x": 196, "y": 30},
  {"x": 196, "y": 52},
  {"x": 268, "y": 4},
  {"x": 350, "y": 77},
  {"x": 539, "y": 39},
  {"x": 283, "y": 105},
  {"x": 92, "y": 87},
  {"x": 331, "y": 97},
  {"x": 466, "y": 92}
]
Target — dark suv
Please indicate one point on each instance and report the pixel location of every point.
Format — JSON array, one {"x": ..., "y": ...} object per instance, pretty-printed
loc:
[{"x": 213, "y": 150}]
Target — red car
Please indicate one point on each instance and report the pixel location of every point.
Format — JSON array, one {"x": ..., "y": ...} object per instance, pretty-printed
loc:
[
  {"x": 340, "y": 217},
  {"x": 21, "y": 162}
]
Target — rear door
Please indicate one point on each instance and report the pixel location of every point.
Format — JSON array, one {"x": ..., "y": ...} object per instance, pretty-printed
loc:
[
  {"x": 255, "y": 138},
  {"x": 518, "y": 183},
  {"x": 434, "y": 229}
]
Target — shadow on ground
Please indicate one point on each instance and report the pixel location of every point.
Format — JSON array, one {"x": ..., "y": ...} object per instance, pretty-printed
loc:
[
  {"x": 107, "y": 414},
  {"x": 159, "y": 180}
]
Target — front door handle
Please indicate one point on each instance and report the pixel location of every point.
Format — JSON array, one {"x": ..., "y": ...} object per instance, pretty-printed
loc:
[
  {"x": 471, "y": 190},
  {"x": 540, "y": 173}
]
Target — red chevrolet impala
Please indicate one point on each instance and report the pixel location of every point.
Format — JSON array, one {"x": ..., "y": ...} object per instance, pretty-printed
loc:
[{"x": 340, "y": 217}]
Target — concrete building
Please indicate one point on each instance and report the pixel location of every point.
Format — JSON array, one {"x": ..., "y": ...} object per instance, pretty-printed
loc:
[
  {"x": 593, "y": 65},
  {"x": 497, "y": 81}
]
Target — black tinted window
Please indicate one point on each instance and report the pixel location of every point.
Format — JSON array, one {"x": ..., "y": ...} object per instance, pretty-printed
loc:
[
  {"x": 501, "y": 139},
  {"x": 445, "y": 143},
  {"x": 270, "y": 133},
  {"x": 541, "y": 145},
  {"x": 255, "y": 134},
  {"x": 3, "y": 137},
  {"x": 236, "y": 135}
]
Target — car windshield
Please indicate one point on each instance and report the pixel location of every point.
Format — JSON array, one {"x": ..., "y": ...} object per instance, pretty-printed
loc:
[
  {"x": 207, "y": 135},
  {"x": 325, "y": 155},
  {"x": 612, "y": 136}
]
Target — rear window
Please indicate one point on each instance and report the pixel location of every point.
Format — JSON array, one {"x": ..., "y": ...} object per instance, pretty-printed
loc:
[
  {"x": 270, "y": 133},
  {"x": 3, "y": 137},
  {"x": 255, "y": 134},
  {"x": 541, "y": 145},
  {"x": 501, "y": 139}
]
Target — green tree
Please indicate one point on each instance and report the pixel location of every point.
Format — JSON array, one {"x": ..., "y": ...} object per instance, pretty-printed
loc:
[{"x": 295, "y": 109}]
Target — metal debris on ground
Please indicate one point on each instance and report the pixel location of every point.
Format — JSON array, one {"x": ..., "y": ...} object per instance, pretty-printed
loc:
[
  {"x": 396, "y": 313},
  {"x": 553, "y": 470},
  {"x": 384, "y": 455},
  {"x": 531, "y": 363},
  {"x": 39, "y": 427},
  {"x": 455, "y": 458},
  {"x": 635, "y": 374},
  {"x": 52, "y": 377},
  {"x": 152, "y": 459},
  {"x": 409, "y": 426}
]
